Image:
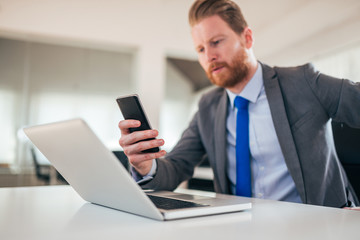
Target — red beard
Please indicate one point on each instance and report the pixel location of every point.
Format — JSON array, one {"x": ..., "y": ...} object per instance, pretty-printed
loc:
[{"x": 232, "y": 74}]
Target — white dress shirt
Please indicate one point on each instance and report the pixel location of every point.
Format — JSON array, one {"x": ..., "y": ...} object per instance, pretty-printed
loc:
[{"x": 269, "y": 174}]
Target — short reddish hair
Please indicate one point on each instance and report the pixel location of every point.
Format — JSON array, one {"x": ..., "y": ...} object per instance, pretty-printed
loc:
[{"x": 226, "y": 9}]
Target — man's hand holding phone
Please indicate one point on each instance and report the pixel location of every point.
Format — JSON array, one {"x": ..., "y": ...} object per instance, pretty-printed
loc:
[
  {"x": 133, "y": 145},
  {"x": 137, "y": 138}
]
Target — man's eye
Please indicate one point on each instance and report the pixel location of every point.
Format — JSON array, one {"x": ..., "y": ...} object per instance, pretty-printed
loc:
[
  {"x": 214, "y": 43},
  {"x": 200, "y": 50}
]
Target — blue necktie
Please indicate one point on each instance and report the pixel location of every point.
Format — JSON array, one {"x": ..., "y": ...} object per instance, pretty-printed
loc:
[{"x": 243, "y": 172}]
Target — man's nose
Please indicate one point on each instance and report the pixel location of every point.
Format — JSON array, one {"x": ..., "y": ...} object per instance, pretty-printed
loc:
[{"x": 211, "y": 55}]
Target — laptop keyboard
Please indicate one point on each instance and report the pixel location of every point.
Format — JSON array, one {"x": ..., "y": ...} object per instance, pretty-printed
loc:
[{"x": 169, "y": 203}]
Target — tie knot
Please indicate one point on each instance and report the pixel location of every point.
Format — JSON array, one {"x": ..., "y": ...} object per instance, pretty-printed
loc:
[{"x": 241, "y": 103}]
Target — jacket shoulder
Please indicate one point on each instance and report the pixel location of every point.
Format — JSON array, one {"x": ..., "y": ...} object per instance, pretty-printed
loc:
[
  {"x": 211, "y": 97},
  {"x": 306, "y": 70}
]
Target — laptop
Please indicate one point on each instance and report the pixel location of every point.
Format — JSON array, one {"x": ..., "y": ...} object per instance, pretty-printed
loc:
[{"x": 98, "y": 176}]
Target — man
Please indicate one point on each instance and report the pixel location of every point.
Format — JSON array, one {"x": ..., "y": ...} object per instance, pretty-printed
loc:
[{"x": 284, "y": 148}]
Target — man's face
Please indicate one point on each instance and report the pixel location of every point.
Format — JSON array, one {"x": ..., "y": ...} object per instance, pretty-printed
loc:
[{"x": 221, "y": 51}]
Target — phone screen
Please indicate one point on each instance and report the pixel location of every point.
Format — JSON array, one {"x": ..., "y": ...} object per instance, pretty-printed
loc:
[{"x": 131, "y": 108}]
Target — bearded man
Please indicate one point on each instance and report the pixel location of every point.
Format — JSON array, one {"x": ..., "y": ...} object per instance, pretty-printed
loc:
[{"x": 265, "y": 131}]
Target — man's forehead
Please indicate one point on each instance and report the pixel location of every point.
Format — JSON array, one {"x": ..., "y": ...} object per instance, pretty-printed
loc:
[
  {"x": 214, "y": 20},
  {"x": 209, "y": 28}
]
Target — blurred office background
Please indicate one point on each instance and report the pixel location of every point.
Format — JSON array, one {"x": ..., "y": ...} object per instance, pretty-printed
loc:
[{"x": 67, "y": 59}]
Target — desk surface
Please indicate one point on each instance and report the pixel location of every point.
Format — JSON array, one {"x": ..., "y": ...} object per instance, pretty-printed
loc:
[{"x": 57, "y": 212}]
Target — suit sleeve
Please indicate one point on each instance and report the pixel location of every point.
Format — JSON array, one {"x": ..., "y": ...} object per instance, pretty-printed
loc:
[
  {"x": 339, "y": 97},
  {"x": 179, "y": 164}
]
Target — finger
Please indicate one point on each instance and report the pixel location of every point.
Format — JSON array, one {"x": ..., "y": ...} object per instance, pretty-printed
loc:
[
  {"x": 140, "y": 158},
  {"x": 138, "y": 147},
  {"x": 124, "y": 125},
  {"x": 132, "y": 138}
]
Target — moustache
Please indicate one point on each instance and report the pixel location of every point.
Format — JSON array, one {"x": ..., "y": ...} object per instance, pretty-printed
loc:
[{"x": 216, "y": 65}]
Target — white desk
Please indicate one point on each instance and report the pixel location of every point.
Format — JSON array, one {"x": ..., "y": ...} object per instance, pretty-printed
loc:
[{"x": 57, "y": 212}]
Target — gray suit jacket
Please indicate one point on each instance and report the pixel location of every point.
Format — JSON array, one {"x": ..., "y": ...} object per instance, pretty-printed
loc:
[{"x": 302, "y": 102}]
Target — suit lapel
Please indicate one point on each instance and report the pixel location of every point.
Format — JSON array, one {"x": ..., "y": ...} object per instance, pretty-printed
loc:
[
  {"x": 282, "y": 128},
  {"x": 220, "y": 143}
]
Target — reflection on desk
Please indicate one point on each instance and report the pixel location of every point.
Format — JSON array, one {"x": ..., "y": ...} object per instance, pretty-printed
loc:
[{"x": 57, "y": 212}]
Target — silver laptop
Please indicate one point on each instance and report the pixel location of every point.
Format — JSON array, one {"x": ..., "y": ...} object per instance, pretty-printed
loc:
[{"x": 100, "y": 178}]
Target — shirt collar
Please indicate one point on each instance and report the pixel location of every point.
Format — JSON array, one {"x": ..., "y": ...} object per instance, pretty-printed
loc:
[{"x": 252, "y": 89}]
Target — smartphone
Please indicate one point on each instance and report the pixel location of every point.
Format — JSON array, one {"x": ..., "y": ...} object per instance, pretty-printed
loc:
[{"x": 131, "y": 108}]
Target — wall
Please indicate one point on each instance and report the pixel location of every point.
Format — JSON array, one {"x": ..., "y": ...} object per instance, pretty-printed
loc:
[
  {"x": 175, "y": 114},
  {"x": 42, "y": 83},
  {"x": 117, "y": 25},
  {"x": 344, "y": 63}
]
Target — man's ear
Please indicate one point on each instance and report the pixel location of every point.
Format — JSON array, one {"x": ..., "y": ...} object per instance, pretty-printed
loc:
[{"x": 248, "y": 36}]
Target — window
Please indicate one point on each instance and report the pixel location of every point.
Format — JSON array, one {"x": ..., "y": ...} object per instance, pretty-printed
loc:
[
  {"x": 342, "y": 64},
  {"x": 42, "y": 83}
]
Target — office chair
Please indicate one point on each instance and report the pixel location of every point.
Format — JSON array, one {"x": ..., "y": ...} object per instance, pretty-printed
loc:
[
  {"x": 203, "y": 184},
  {"x": 42, "y": 171},
  {"x": 122, "y": 158},
  {"x": 347, "y": 144}
]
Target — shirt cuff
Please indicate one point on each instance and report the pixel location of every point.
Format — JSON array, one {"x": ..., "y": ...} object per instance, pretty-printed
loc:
[{"x": 142, "y": 179}]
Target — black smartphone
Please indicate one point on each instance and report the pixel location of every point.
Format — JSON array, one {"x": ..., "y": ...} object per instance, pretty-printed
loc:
[{"x": 131, "y": 108}]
